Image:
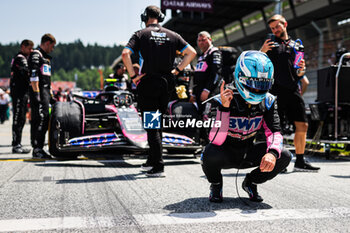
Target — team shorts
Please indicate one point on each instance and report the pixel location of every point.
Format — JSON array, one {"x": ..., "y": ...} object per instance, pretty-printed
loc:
[{"x": 291, "y": 106}]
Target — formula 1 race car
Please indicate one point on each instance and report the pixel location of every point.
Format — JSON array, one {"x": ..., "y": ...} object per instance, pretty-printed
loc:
[{"x": 108, "y": 121}]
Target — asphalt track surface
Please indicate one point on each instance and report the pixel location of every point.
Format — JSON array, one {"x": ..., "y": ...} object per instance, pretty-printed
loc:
[{"x": 102, "y": 192}]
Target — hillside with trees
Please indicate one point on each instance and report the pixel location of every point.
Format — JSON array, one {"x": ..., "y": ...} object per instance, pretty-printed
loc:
[{"x": 71, "y": 61}]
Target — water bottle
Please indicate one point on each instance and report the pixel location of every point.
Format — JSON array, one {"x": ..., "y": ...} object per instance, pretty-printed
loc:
[{"x": 299, "y": 54}]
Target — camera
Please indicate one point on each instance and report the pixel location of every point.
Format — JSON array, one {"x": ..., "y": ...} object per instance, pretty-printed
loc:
[{"x": 272, "y": 37}]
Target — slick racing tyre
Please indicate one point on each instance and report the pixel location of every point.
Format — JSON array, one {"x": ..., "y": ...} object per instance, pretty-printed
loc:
[{"x": 65, "y": 123}]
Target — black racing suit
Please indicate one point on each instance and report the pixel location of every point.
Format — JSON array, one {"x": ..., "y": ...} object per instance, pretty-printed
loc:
[
  {"x": 206, "y": 76},
  {"x": 40, "y": 67},
  {"x": 19, "y": 85},
  {"x": 232, "y": 144},
  {"x": 157, "y": 48}
]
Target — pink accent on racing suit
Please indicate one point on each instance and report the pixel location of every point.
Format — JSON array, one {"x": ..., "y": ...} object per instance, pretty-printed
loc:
[
  {"x": 218, "y": 136},
  {"x": 273, "y": 140}
]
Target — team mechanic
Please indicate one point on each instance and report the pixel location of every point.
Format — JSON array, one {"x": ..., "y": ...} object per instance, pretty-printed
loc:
[
  {"x": 121, "y": 79},
  {"x": 242, "y": 114},
  {"x": 40, "y": 94},
  {"x": 157, "y": 47},
  {"x": 289, "y": 100},
  {"x": 19, "y": 84},
  {"x": 208, "y": 68}
]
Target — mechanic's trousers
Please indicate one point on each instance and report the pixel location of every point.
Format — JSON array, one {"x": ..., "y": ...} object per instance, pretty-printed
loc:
[
  {"x": 153, "y": 95},
  {"x": 215, "y": 158},
  {"x": 40, "y": 117},
  {"x": 19, "y": 106},
  {"x": 3, "y": 112}
]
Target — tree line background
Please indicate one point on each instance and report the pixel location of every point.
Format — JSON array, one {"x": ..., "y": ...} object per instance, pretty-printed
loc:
[{"x": 69, "y": 61}]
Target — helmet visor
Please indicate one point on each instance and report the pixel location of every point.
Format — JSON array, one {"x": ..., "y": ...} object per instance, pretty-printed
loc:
[{"x": 260, "y": 84}]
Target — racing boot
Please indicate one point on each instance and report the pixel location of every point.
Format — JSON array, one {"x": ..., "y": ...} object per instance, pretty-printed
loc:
[
  {"x": 20, "y": 150},
  {"x": 216, "y": 193},
  {"x": 39, "y": 153},
  {"x": 252, "y": 190}
]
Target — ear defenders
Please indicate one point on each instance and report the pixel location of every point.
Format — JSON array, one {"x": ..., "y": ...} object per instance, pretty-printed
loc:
[{"x": 144, "y": 16}]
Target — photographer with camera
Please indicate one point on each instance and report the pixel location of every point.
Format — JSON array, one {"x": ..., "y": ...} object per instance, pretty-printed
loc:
[{"x": 289, "y": 69}]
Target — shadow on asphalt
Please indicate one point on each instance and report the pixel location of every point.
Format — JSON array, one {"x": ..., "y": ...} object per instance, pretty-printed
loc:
[
  {"x": 233, "y": 174},
  {"x": 5, "y": 153},
  {"x": 342, "y": 177},
  {"x": 104, "y": 164},
  {"x": 202, "y": 204},
  {"x": 116, "y": 164},
  {"x": 10, "y": 146},
  {"x": 126, "y": 177}
]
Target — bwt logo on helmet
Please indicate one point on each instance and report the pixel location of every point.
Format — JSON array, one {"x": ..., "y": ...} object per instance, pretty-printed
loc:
[{"x": 152, "y": 120}]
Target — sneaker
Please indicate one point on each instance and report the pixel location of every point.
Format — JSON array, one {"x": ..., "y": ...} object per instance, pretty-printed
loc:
[
  {"x": 216, "y": 193},
  {"x": 146, "y": 167},
  {"x": 20, "y": 150},
  {"x": 156, "y": 172},
  {"x": 40, "y": 154},
  {"x": 252, "y": 190},
  {"x": 305, "y": 167}
]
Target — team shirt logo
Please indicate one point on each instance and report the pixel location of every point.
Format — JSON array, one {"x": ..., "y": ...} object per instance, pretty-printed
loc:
[
  {"x": 158, "y": 34},
  {"x": 201, "y": 66},
  {"x": 159, "y": 38},
  {"x": 46, "y": 69}
]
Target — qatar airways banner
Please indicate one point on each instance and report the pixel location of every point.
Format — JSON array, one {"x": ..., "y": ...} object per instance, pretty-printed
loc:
[{"x": 188, "y": 5}]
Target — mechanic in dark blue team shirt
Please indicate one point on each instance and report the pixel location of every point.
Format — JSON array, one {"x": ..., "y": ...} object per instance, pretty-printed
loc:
[
  {"x": 157, "y": 46},
  {"x": 243, "y": 111},
  {"x": 19, "y": 93},
  {"x": 40, "y": 94}
]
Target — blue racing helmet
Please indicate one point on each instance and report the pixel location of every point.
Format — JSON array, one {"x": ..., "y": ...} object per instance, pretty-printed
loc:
[{"x": 253, "y": 76}]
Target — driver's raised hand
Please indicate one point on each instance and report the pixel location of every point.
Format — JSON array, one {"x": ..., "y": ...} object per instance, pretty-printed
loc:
[{"x": 226, "y": 95}]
